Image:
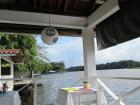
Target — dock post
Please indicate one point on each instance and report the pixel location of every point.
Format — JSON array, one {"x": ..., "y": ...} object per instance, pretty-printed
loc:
[
  {"x": 12, "y": 73},
  {"x": 0, "y": 72},
  {"x": 89, "y": 56},
  {"x": 35, "y": 92}
]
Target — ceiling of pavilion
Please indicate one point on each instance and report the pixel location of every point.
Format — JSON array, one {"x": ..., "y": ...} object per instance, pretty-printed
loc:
[
  {"x": 122, "y": 26},
  {"x": 63, "y": 7},
  {"x": 82, "y": 8}
]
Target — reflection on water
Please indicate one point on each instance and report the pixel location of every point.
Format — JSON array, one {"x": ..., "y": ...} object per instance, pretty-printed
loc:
[{"x": 47, "y": 94}]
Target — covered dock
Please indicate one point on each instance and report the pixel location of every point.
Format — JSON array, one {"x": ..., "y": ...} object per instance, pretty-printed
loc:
[{"x": 7, "y": 59}]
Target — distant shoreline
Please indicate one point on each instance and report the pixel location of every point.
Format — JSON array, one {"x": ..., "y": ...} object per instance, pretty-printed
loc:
[
  {"x": 97, "y": 70},
  {"x": 129, "y": 64}
]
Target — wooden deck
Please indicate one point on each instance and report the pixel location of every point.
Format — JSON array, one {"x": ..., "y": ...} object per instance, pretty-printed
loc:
[{"x": 24, "y": 82}]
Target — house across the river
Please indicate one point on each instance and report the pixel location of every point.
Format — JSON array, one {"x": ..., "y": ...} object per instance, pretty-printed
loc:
[{"x": 8, "y": 57}]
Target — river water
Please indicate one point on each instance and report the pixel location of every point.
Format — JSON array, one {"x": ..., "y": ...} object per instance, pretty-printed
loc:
[{"x": 47, "y": 94}]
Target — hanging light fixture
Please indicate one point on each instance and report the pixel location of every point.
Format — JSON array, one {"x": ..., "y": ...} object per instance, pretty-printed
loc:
[
  {"x": 50, "y": 30},
  {"x": 49, "y": 35}
]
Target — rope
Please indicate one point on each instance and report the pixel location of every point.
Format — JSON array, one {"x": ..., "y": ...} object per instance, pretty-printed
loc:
[
  {"x": 77, "y": 82},
  {"x": 23, "y": 87}
]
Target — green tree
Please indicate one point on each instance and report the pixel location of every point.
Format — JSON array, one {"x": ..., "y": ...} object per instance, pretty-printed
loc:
[
  {"x": 58, "y": 66},
  {"x": 27, "y": 44}
]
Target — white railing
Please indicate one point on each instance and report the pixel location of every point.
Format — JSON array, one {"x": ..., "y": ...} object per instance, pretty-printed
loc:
[
  {"x": 109, "y": 92},
  {"x": 101, "y": 86},
  {"x": 115, "y": 97},
  {"x": 6, "y": 76},
  {"x": 9, "y": 83}
]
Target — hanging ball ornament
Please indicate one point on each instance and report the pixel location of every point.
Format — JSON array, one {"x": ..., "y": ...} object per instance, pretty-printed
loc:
[{"x": 49, "y": 35}]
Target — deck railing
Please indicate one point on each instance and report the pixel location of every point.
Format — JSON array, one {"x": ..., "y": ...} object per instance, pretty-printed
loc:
[
  {"x": 101, "y": 86},
  {"x": 32, "y": 80},
  {"x": 112, "y": 94},
  {"x": 9, "y": 83}
]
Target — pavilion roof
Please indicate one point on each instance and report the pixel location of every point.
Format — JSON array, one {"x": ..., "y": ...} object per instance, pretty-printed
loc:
[
  {"x": 114, "y": 21},
  {"x": 9, "y": 51},
  {"x": 61, "y": 7},
  {"x": 10, "y": 55},
  {"x": 74, "y": 8}
]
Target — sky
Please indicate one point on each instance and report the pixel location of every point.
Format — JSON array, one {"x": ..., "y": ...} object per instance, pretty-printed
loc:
[{"x": 70, "y": 50}]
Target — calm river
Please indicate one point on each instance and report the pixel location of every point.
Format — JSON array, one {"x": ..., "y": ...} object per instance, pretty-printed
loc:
[{"x": 47, "y": 94}]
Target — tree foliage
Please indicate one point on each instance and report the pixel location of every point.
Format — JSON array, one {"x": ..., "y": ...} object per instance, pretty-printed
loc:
[
  {"x": 119, "y": 65},
  {"x": 76, "y": 68},
  {"x": 58, "y": 66},
  {"x": 27, "y": 44},
  {"x": 32, "y": 59}
]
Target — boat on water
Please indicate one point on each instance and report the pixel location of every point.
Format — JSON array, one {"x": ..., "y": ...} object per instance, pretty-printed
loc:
[{"x": 51, "y": 72}]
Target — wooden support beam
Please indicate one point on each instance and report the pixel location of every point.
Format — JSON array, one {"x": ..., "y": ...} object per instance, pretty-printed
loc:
[
  {"x": 103, "y": 12},
  {"x": 41, "y": 19}
]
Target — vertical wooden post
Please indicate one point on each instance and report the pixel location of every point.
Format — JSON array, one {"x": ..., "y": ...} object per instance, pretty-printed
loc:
[
  {"x": 0, "y": 72},
  {"x": 12, "y": 70},
  {"x": 35, "y": 92},
  {"x": 0, "y": 66},
  {"x": 12, "y": 73},
  {"x": 89, "y": 56}
]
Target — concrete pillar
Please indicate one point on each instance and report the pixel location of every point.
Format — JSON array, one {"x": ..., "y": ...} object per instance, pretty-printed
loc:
[{"x": 89, "y": 55}]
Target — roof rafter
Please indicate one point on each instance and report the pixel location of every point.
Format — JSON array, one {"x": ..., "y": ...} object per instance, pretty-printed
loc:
[
  {"x": 40, "y": 19},
  {"x": 103, "y": 12}
]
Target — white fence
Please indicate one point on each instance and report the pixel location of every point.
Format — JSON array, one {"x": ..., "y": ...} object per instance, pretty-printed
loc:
[
  {"x": 9, "y": 83},
  {"x": 117, "y": 99},
  {"x": 101, "y": 86}
]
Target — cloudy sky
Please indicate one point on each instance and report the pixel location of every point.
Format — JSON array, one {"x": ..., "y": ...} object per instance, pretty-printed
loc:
[{"x": 70, "y": 50}]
